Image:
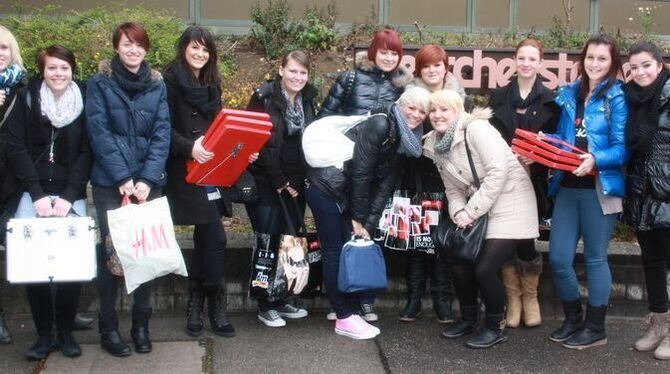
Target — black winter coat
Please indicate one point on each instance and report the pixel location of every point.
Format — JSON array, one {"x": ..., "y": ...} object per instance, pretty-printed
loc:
[
  {"x": 281, "y": 160},
  {"x": 372, "y": 89},
  {"x": 647, "y": 202},
  {"x": 9, "y": 189},
  {"x": 30, "y": 137},
  {"x": 188, "y": 202}
]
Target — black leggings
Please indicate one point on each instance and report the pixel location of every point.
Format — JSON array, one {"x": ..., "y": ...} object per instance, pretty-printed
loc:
[
  {"x": 525, "y": 250},
  {"x": 483, "y": 275},
  {"x": 655, "y": 247},
  {"x": 62, "y": 307},
  {"x": 208, "y": 255}
]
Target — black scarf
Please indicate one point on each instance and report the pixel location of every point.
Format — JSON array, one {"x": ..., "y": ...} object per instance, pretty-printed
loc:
[
  {"x": 643, "y": 112},
  {"x": 130, "y": 82},
  {"x": 206, "y": 99},
  {"x": 513, "y": 101}
]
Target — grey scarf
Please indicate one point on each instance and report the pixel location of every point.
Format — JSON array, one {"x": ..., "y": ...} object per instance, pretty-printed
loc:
[
  {"x": 294, "y": 115},
  {"x": 443, "y": 141},
  {"x": 410, "y": 140}
]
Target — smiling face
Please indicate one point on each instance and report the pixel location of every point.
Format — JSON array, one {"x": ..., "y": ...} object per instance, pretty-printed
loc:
[
  {"x": 197, "y": 56},
  {"x": 414, "y": 115},
  {"x": 441, "y": 117},
  {"x": 387, "y": 60},
  {"x": 597, "y": 62},
  {"x": 5, "y": 55},
  {"x": 131, "y": 53},
  {"x": 294, "y": 76},
  {"x": 644, "y": 68},
  {"x": 528, "y": 62},
  {"x": 57, "y": 75},
  {"x": 433, "y": 74}
]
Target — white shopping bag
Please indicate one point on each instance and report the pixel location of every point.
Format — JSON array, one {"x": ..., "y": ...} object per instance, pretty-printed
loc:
[
  {"x": 143, "y": 237},
  {"x": 51, "y": 249}
]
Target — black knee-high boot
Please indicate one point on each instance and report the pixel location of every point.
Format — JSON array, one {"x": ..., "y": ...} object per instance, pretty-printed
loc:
[
  {"x": 416, "y": 284},
  {"x": 196, "y": 301}
]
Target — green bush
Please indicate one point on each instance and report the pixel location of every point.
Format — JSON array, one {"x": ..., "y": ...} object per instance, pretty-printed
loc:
[
  {"x": 317, "y": 30},
  {"x": 89, "y": 34},
  {"x": 275, "y": 31}
]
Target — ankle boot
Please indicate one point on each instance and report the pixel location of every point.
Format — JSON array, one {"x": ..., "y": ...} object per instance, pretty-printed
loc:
[
  {"x": 662, "y": 352},
  {"x": 530, "y": 280},
  {"x": 217, "y": 304},
  {"x": 5, "y": 337},
  {"x": 81, "y": 322},
  {"x": 416, "y": 284},
  {"x": 592, "y": 334},
  {"x": 512, "y": 282},
  {"x": 468, "y": 322},
  {"x": 110, "y": 339},
  {"x": 656, "y": 326},
  {"x": 140, "y": 330},
  {"x": 196, "y": 301},
  {"x": 440, "y": 286},
  {"x": 572, "y": 322},
  {"x": 491, "y": 334}
]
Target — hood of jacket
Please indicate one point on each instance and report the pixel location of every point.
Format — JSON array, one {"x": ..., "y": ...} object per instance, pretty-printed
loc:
[{"x": 400, "y": 77}]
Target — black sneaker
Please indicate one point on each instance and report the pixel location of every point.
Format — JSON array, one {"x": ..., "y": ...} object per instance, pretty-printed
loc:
[
  {"x": 41, "y": 348},
  {"x": 368, "y": 313}
]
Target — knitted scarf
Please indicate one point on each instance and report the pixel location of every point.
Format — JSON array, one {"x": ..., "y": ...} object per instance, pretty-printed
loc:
[
  {"x": 410, "y": 140},
  {"x": 643, "y": 112},
  {"x": 10, "y": 77},
  {"x": 130, "y": 82}
]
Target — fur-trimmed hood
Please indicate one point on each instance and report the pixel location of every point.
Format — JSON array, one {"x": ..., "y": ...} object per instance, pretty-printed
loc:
[
  {"x": 478, "y": 114},
  {"x": 450, "y": 83},
  {"x": 105, "y": 68},
  {"x": 400, "y": 77}
]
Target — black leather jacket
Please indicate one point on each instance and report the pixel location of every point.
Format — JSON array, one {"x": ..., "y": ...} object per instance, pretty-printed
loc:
[{"x": 647, "y": 203}]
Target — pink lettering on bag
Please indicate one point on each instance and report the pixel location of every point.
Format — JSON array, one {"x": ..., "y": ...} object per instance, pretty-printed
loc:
[{"x": 158, "y": 241}]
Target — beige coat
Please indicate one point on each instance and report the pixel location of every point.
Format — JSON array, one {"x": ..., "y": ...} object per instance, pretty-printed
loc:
[{"x": 506, "y": 193}]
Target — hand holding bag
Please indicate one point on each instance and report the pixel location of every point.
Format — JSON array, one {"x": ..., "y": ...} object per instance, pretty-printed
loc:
[
  {"x": 362, "y": 267},
  {"x": 464, "y": 243}
]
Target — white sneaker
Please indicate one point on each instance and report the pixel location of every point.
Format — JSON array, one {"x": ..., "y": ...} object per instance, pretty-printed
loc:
[
  {"x": 271, "y": 318},
  {"x": 356, "y": 328},
  {"x": 331, "y": 315},
  {"x": 291, "y": 312}
]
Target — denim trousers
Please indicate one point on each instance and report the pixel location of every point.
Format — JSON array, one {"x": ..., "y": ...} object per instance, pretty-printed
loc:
[{"x": 577, "y": 213}]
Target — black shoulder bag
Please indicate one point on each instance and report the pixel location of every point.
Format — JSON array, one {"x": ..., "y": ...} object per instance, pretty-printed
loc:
[{"x": 463, "y": 243}]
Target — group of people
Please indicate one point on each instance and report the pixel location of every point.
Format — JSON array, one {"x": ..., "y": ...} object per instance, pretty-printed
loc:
[{"x": 131, "y": 130}]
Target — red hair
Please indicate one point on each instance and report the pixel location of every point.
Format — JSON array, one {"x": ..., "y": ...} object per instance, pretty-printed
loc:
[
  {"x": 530, "y": 42},
  {"x": 133, "y": 31},
  {"x": 429, "y": 54},
  {"x": 385, "y": 39}
]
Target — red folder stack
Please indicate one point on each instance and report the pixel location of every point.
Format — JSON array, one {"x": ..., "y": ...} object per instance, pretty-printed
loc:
[
  {"x": 545, "y": 150},
  {"x": 233, "y": 137}
]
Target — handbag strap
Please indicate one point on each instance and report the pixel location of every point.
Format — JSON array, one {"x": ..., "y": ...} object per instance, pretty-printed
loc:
[
  {"x": 472, "y": 163},
  {"x": 289, "y": 221},
  {"x": 9, "y": 110}
]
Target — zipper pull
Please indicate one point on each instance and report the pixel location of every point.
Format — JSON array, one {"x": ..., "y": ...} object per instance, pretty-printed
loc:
[{"x": 51, "y": 147}]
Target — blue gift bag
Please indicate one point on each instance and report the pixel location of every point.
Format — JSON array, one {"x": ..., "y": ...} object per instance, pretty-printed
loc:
[{"x": 362, "y": 267}]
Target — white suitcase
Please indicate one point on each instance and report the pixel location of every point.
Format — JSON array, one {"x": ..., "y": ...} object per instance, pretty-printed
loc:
[{"x": 51, "y": 250}]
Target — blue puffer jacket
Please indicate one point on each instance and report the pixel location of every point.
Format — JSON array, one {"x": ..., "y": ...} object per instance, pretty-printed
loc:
[
  {"x": 130, "y": 138},
  {"x": 605, "y": 121}
]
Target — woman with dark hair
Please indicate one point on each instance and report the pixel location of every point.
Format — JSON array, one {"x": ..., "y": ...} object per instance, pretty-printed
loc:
[
  {"x": 194, "y": 97},
  {"x": 12, "y": 77},
  {"x": 588, "y": 200},
  {"x": 128, "y": 123},
  {"x": 50, "y": 156},
  {"x": 525, "y": 103},
  {"x": 648, "y": 190},
  {"x": 281, "y": 167},
  {"x": 419, "y": 176},
  {"x": 377, "y": 81}
]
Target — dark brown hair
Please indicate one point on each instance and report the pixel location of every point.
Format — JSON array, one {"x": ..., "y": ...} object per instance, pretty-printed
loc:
[
  {"x": 299, "y": 56},
  {"x": 133, "y": 31},
  {"x": 209, "y": 73},
  {"x": 59, "y": 52},
  {"x": 651, "y": 48},
  {"x": 615, "y": 68}
]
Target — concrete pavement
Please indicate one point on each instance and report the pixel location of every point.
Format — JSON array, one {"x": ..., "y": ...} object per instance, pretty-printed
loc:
[{"x": 310, "y": 346}]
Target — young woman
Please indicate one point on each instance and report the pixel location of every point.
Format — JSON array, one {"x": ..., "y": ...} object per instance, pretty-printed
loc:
[
  {"x": 527, "y": 104},
  {"x": 588, "y": 200},
  {"x": 647, "y": 193},
  {"x": 128, "y": 123},
  {"x": 281, "y": 168},
  {"x": 357, "y": 201},
  {"x": 506, "y": 195},
  {"x": 421, "y": 176},
  {"x": 49, "y": 151},
  {"x": 194, "y": 97},
  {"x": 12, "y": 77},
  {"x": 376, "y": 82}
]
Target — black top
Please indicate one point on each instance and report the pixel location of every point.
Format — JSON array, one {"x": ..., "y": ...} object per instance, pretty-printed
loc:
[{"x": 581, "y": 141}]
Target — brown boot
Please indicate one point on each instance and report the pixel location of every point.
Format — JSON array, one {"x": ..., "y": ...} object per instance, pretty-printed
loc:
[
  {"x": 512, "y": 282},
  {"x": 656, "y": 325},
  {"x": 530, "y": 279}
]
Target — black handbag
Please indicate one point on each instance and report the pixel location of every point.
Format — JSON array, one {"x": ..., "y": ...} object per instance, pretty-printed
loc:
[
  {"x": 463, "y": 243},
  {"x": 244, "y": 190}
]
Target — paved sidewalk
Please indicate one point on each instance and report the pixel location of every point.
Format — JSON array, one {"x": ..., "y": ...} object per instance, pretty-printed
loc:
[{"x": 310, "y": 346}]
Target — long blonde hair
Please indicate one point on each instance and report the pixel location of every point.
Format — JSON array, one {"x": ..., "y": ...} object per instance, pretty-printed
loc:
[{"x": 6, "y": 36}]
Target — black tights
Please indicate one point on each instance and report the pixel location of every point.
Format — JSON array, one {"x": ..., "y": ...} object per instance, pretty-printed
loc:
[
  {"x": 483, "y": 275},
  {"x": 655, "y": 247}
]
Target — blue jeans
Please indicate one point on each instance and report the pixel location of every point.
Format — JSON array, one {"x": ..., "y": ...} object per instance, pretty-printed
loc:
[
  {"x": 334, "y": 230},
  {"x": 577, "y": 213}
]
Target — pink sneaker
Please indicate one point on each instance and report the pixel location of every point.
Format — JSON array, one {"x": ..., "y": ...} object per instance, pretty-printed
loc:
[{"x": 355, "y": 327}]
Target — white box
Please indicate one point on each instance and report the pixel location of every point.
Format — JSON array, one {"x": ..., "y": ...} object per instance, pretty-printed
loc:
[{"x": 51, "y": 249}]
